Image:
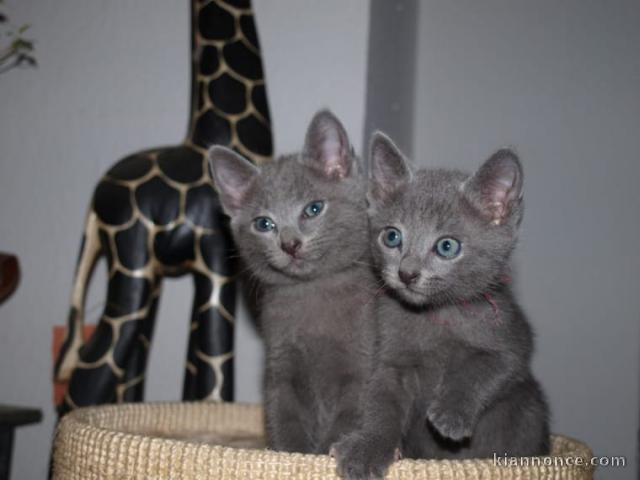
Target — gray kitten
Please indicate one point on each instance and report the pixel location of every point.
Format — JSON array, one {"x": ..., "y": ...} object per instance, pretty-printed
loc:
[
  {"x": 452, "y": 376},
  {"x": 300, "y": 223}
]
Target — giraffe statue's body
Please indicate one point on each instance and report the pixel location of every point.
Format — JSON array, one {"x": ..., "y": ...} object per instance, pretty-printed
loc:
[{"x": 156, "y": 213}]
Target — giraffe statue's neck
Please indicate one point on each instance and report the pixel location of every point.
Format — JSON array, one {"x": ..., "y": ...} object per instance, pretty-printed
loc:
[{"x": 228, "y": 99}]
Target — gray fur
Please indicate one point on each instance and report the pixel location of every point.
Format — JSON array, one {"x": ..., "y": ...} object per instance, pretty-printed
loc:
[
  {"x": 317, "y": 307},
  {"x": 452, "y": 375}
]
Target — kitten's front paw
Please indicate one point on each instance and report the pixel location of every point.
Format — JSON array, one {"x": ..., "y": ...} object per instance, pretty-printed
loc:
[
  {"x": 450, "y": 420},
  {"x": 361, "y": 458}
]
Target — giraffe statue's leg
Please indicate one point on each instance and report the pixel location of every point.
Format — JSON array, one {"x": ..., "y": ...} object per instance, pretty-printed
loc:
[
  {"x": 89, "y": 251},
  {"x": 209, "y": 371},
  {"x": 104, "y": 360},
  {"x": 131, "y": 387}
]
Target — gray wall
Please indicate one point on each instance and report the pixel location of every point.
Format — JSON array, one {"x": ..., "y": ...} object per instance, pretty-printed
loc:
[
  {"x": 114, "y": 78},
  {"x": 560, "y": 81},
  {"x": 391, "y": 71},
  {"x": 557, "y": 79}
]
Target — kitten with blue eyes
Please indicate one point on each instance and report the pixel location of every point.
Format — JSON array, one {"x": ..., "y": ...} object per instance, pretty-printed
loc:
[
  {"x": 300, "y": 224},
  {"x": 452, "y": 376}
]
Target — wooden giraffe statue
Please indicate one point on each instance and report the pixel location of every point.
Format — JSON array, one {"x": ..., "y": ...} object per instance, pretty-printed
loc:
[{"x": 156, "y": 213}]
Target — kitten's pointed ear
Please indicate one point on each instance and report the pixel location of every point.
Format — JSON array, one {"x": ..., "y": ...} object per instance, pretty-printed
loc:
[
  {"x": 496, "y": 188},
  {"x": 327, "y": 147},
  {"x": 233, "y": 176},
  {"x": 390, "y": 170}
]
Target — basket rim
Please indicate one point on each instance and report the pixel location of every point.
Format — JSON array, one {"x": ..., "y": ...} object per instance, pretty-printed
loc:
[{"x": 86, "y": 417}]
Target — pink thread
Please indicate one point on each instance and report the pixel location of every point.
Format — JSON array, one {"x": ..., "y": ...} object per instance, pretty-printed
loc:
[
  {"x": 497, "y": 320},
  {"x": 496, "y": 310}
]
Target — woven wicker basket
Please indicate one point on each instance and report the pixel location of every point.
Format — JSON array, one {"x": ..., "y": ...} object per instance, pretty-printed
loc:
[{"x": 183, "y": 441}]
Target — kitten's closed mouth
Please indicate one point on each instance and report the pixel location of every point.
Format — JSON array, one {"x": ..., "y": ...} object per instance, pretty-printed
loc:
[
  {"x": 294, "y": 268},
  {"x": 416, "y": 295},
  {"x": 417, "y": 292},
  {"x": 295, "y": 262},
  {"x": 410, "y": 295}
]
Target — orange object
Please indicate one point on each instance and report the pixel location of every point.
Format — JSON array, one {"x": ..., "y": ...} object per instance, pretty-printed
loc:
[{"x": 59, "y": 333}]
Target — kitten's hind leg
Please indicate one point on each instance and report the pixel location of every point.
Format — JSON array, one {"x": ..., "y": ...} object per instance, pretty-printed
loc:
[
  {"x": 346, "y": 420},
  {"x": 419, "y": 441},
  {"x": 368, "y": 452},
  {"x": 287, "y": 416},
  {"x": 516, "y": 425}
]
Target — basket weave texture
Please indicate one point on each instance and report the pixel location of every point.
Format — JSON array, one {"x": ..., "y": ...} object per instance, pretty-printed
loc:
[{"x": 178, "y": 441}]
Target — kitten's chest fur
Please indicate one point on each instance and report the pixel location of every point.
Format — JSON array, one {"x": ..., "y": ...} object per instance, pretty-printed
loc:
[
  {"x": 328, "y": 322},
  {"x": 429, "y": 339}
]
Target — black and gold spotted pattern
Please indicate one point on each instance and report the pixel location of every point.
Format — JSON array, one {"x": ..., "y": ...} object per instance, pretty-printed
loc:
[{"x": 156, "y": 213}]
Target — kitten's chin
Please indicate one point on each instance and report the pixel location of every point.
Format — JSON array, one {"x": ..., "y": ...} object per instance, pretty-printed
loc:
[
  {"x": 413, "y": 298},
  {"x": 408, "y": 295},
  {"x": 293, "y": 270}
]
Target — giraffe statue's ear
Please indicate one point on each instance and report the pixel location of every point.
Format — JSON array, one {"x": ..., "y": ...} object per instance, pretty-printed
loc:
[
  {"x": 327, "y": 147},
  {"x": 233, "y": 177}
]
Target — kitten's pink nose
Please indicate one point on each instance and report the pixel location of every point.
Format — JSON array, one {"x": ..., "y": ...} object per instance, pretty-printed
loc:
[
  {"x": 291, "y": 247},
  {"x": 408, "y": 277}
]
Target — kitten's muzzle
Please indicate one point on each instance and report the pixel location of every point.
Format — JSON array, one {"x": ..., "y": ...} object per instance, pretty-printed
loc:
[
  {"x": 408, "y": 277},
  {"x": 291, "y": 247}
]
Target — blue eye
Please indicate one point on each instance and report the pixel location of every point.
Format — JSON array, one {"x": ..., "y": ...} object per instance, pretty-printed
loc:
[
  {"x": 392, "y": 237},
  {"x": 264, "y": 224},
  {"x": 448, "y": 247},
  {"x": 313, "y": 209}
]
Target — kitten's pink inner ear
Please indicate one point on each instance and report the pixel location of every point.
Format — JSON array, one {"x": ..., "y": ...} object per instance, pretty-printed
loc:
[
  {"x": 232, "y": 175},
  {"x": 498, "y": 212},
  {"x": 327, "y": 148},
  {"x": 389, "y": 168},
  {"x": 334, "y": 156},
  {"x": 499, "y": 193}
]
